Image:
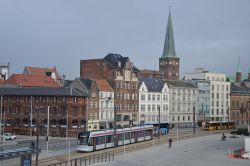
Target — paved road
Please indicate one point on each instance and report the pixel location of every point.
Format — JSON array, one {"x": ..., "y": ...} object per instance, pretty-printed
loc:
[{"x": 201, "y": 151}]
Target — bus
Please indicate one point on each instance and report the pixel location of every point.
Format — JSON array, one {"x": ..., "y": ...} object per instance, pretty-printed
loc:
[
  {"x": 89, "y": 141},
  {"x": 164, "y": 127},
  {"x": 219, "y": 125}
]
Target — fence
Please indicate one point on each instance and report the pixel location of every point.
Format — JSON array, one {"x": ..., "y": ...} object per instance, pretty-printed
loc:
[{"x": 88, "y": 160}]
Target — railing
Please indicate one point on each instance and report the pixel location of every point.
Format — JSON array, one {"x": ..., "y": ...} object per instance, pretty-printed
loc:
[{"x": 87, "y": 160}]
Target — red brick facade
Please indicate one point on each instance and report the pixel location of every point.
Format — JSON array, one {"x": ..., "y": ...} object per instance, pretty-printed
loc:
[
  {"x": 123, "y": 79},
  {"x": 17, "y": 111},
  {"x": 169, "y": 68}
]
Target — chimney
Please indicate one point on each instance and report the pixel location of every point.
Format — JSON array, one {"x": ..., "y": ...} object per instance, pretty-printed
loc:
[{"x": 249, "y": 75}]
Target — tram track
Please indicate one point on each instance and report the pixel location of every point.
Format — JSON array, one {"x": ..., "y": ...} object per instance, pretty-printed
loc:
[{"x": 163, "y": 139}]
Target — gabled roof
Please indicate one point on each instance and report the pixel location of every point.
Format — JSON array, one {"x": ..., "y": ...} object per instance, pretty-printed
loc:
[
  {"x": 31, "y": 80},
  {"x": 86, "y": 82},
  {"x": 42, "y": 71},
  {"x": 103, "y": 85},
  {"x": 154, "y": 84},
  {"x": 180, "y": 83},
  {"x": 41, "y": 91},
  {"x": 117, "y": 61},
  {"x": 239, "y": 89}
]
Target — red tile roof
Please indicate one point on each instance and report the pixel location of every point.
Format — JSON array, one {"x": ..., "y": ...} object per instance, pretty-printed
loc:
[
  {"x": 42, "y": 71},
  {"x": 31, "y": 80},
  {"x": 103, "y": 85}
]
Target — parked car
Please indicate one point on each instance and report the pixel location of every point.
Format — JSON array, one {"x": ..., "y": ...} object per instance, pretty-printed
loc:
[{"x": 9, "y": 136}]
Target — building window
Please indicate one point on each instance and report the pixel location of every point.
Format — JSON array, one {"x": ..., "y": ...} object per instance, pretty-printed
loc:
[
  {"x": 75, "y": 111},
  {"x": 143, "y": 97},
  {"x": 149, "y": 97},
  {"x": 142, "y": 107},
  {"x": 149, "y": 107},
  {"x": 153, "y": 97},
  {"x": 158, "y": 97},
  {"x": 153, "y": 107}
]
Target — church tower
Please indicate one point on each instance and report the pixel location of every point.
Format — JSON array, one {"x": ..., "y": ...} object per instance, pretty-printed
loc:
[
  {"x": 238, "y": 72},
  {"x": 169, "y": 62}
]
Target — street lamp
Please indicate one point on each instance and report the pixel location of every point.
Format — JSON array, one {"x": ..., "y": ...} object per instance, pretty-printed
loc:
[
  {"x": 1, "y": 114},
  {"x": 47, "y": 139},
  {"x": 159, "y": 111},
  {"x": 115, "y": 140},
  {"x": 194, "y": 120}
]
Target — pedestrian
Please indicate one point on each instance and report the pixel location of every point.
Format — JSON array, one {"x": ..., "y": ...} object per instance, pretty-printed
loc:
[
  {"x": 223, "y": 138},
  {"x": 170, "y": 142}
]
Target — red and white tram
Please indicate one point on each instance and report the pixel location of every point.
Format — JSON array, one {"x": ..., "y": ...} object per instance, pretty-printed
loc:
[{"x": 95, "y": 140}]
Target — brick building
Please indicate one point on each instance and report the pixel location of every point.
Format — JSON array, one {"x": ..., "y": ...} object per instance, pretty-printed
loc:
[
  {"x": 89, "y": 86},
  {"x": 26, "y": 107},
  {"x": 240, "y": 104},
  {"x": 123, "y": 78}
]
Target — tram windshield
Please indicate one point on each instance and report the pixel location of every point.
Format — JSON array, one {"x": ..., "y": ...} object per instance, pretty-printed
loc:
[{"x": 83, "y": 138}]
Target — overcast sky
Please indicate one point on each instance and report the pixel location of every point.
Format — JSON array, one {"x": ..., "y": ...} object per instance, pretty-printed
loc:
[{"x": 208, "y": 33}]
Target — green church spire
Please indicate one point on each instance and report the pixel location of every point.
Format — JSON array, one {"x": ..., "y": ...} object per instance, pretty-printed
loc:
[
  {"x": 169, "y": 47},
  {"x": 238, "y": 66}
]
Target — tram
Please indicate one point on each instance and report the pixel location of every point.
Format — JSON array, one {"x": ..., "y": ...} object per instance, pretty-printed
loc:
[
  {"x": 219, "y": 125},
  {"x": 89, "y": 141}
]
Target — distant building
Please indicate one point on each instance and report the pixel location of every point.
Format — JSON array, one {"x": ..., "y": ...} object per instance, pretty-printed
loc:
[
  {"x": 203, "y": 99},
  {"x": 219, "y": 92},
  {"x": 149, "y": 73},
  {"x": 89, "y": 87},
  {"x": 4, "y": 72},
  {"x": 24, "y": 80},
  {"x": 26, "y": 106},
  {"x": 240, "y": 104},
  {"x": 106, "y": 104},
  {"x": 122, "y": 75},
  {"x": 183, "y": 103},
  {"x": 51, "y": 72},
  {"x": 153, "y": 97},
  {"x": 169, "y": 63}
]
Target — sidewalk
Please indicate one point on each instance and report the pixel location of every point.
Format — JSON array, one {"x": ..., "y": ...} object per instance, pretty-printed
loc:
[{"x": 200, "y": 151}]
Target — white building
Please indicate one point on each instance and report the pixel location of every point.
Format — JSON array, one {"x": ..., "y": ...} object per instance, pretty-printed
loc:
[
  {"x": 219, "y": 93},
  {"x": 106, "y": 104},
  {"x": 4, "y": 71},
  {"x": 153, "y": 96},
  {"x": 183, "y": 103}
]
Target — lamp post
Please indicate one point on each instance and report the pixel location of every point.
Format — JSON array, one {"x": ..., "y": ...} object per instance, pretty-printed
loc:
[
  {"x": 37, "y": 135},
  {"x": 47, "y": 139},
  {"x": 115, "y": 140},
  {"x": 248, "y": 127},
  {"x": 1, "y": 114},
  {"x": 31, "y": 116},
  {"x": 228, "y": 118},
  {"x": 159, "y": 122},
  {"x": 194, "y": 120}
]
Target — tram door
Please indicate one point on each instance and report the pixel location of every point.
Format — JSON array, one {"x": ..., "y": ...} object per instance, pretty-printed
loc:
[{"x": 94, "y": 143}]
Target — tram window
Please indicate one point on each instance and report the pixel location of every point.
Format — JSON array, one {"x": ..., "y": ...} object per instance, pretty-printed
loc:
[
  {"x": 132, "y": 135},
  {"x": 120, "y": 137},
  {"x": 141, "y": 133},
  {"x": 99, "y": 140},
  {"x": 109, "y": 138},
  {"x": 83, "y": 140},
  {"x": 147, "y": 132},
  {"x": 127, "y": 136}
]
